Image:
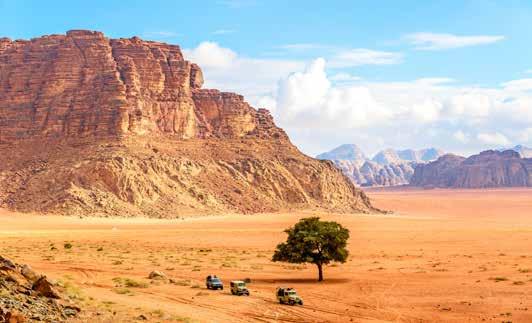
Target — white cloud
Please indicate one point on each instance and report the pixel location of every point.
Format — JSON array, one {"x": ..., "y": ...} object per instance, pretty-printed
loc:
[
  {"x": 493, "y": 139},
  {"x": 421, "y": 112},
  {"x": 362, "y": 56},
  {"x": 470, "y": 103},
  {"x": 435, "y": 41},
  {"x": 518, "y": 85},
  {"x": 317, "y": 108},
  {"x": 226, "y": 70},
  {"x": 210, "y": 54},
  {"x": 460, "y": 136},
  {"x": 307, "y": 99},
  {"x": 434, "y": 81},
  {"x": 525, "y": 135},
  {"x": 223, "y": 31},
  {"x": 344, "y": 77}
]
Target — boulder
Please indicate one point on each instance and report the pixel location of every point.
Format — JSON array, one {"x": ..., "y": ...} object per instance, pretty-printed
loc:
[
  {"x": 44, "y": 288},
  {"x": 157, "y": 275},
  {"x": 29, "y": 273}
]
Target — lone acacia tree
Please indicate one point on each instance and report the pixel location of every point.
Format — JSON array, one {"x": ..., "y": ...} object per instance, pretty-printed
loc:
[{"x": 314, "y": 241}]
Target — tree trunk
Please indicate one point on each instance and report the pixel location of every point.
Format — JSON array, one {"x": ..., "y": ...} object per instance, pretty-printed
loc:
[{"x": 320, "y": 272}]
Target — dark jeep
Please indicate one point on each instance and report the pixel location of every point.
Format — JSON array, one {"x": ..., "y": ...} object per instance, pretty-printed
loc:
[{"x": 213, "y": 282}]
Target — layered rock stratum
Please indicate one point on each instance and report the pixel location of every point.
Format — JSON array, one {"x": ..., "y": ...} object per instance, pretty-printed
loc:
[
  {"x": 488, "y": 169},
  {"x": 97, "y": 126},
  {"x": 388, "y": 167}
]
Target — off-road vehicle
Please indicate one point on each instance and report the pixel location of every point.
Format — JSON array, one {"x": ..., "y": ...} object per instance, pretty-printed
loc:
[
  {"x": 213, "y": 282},
  {"x": 288, "y": 296},
  {"x": 238, "y": 287}
]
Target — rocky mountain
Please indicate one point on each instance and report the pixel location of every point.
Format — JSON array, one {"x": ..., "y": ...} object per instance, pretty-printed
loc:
[
  {"x": 97, "y": 126},
  {"x": 488, "y": 169},
  {"x": 386, "y": 157},
  {"x": 388, "y": 167},
  {"x": 349, "y": 152}
]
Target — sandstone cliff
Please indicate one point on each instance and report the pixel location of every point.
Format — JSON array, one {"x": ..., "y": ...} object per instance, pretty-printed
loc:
[
  {"x": 487, "y": 169},
  {"x": 91, "y": 125}
]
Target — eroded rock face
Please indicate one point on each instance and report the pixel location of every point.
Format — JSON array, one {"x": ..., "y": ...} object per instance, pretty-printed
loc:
[
  {"x": 98, "y": 126},
  {"x": 84, "y": 84},
  {"x": 487, "y": 169}
]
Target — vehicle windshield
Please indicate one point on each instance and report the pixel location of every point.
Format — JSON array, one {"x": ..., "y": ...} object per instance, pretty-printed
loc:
[
  {"x": 241, "y": 285},
  {"x": 291, "y": 292},
  {"x": 215, "y": 280}
]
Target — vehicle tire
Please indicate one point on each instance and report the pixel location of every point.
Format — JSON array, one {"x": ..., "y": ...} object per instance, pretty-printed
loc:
[
  {"x": 291, "y": 302},
  {"x": 281, "y": 301},
  {"x": 221, "y": 288},
  {"x": 232, "y": 293},
  {"x": 301, "y": 303}
]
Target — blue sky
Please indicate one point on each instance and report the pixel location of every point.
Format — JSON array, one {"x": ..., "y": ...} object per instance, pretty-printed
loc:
[{"x": 406, "y": 73}]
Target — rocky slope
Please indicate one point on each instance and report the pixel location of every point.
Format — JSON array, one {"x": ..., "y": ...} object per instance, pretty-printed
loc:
[
  {"x": 26, "y": 295},
  {"x": 487, "y": 169},
  {"x": 98, "y": 126},
  {"x": 387, "y": 168}
]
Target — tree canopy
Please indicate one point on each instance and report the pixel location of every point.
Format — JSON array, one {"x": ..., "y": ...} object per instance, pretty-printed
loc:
[{"x": 314, "y": 241}]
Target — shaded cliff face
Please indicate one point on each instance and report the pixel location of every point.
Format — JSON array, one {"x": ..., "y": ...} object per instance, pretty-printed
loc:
[
  {"x": 98, "y": 126},
  {"x": 487, "y": 169}
]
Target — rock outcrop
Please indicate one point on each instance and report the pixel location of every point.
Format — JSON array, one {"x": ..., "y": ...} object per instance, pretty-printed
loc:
[
  {"x": 487, "y": 169},
  {"x": 98, "y": 126},
  {"x": 25, "y": 296},
  {"x": 387, "y": 168}
]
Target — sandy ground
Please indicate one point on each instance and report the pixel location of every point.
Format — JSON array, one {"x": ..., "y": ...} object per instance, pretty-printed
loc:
[{"x": 444, "y": 256}]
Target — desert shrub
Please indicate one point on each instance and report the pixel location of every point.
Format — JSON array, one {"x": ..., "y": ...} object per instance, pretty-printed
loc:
[
  {"x": 122, "y": 291},
  {"x": 128, "y": 282},
  {"x": 72, "y": 291}
]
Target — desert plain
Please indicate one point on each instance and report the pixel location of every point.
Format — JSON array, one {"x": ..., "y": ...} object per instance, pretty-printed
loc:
[{"x": 442, "y": 256}]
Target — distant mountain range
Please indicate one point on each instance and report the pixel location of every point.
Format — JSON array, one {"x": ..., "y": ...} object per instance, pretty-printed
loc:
[
  {"x": 490, "y": 168},
  {"x": 507, "y": 167},
  {"x": 388, "y": 167}
]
